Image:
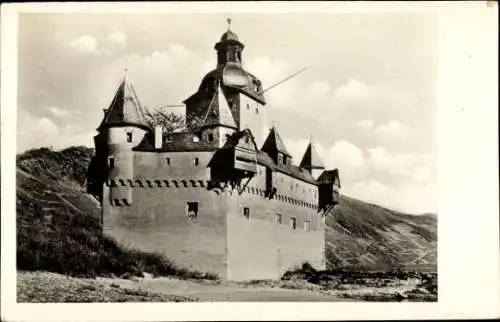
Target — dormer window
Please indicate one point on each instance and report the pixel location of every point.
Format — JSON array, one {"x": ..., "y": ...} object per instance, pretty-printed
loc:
[
  {"x": 129, "y": 137},
  {"x": 210, "y": 137}
]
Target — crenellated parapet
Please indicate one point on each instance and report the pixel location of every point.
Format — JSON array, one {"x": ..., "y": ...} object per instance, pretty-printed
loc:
[{"x": 157, "y": 183}]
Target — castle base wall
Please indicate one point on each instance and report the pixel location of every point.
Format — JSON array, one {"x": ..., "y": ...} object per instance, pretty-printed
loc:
[
  {"x": 157, "y": 221},
  {"x": 259, "y": 247}
]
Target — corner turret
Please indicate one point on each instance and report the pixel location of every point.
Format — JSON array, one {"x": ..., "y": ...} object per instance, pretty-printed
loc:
[{"x": 123, "y": 127}]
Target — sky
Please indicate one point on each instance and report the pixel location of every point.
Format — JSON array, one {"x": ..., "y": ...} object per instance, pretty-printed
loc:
[{"x": 367, "y": 98}]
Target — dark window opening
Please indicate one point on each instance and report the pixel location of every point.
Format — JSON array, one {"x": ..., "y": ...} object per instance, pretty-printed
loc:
[
  {"x": 293, "y": 223},
  {"x": 168, "y": 161},
  {"x": 247, "y": 139},
  {"x": 111, "y": 163},
  {"x": 192, "y": 210},
  {"x": 246, "y": 212},
  {"x": 256, "y": 110},
  {"x": 248, "y": 106},
  {"x": 129, "y": 137},
  {"x": 196, "y": 161},
  {"x": 307, "y": 225},
  {"x": 210, "y": 137}
]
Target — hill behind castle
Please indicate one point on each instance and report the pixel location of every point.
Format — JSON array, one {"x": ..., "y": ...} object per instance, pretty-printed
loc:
[{"x": 359, "y": 236}]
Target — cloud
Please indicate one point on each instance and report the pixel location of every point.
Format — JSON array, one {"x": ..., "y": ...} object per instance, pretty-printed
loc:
[
  {"x": 407, "y": 197},
  {"x": 366, "y": 125},
  {"x": 343, "y": 154},
  {"x": 85, "y": 45},
  {"x": 118, "y": 37},
  {"x": 421, "y": 174},
  {"x": 391, "y": 129},
  {"x": 352, "y": 89},
  {"x": 318, "y": 90},
  {"x": 58, "y": 112},
  {"x": 416, "y": 166},
  {"x": 34, "y": 132}
]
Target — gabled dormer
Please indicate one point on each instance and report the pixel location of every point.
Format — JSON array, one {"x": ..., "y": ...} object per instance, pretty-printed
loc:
[
  {"x": 275, "y": 148},
  {"x": 218, "y": 113},
  {"x": 218, "y": 123}
]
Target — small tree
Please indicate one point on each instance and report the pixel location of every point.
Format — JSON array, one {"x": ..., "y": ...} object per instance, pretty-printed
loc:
[{"x": 169, "y": 120}]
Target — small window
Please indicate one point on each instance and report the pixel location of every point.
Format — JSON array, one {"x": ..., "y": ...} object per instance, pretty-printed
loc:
[
  {"x": 307, "y": 225},
  {"x": 196, "y": 161},
  {"x": 293, "y": 223},
  {"x": 111, "y": 163},
  {"x": 248, "y": 106},
  {"x": 196, "y": 138},
  {"x": 256, "y": 110},
  {"x": 210, "y": 137},
  {"x": 246, "y": 212},
  {"x": 278, "y": 218},
  {"x": 247, "y": 139},
  {"x": 192, "y": 210},
  {"x": 169, "y": 138},
  {"x": 168, "y": 161},
  {"x": 129, "y": 137}
]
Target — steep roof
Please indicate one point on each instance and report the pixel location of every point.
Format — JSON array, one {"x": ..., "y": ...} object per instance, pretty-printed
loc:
[
  {"x": 218, "y": 112},
  {"x": 274, "y": 143},
  {"x": 311, "y": 159},
  {"x": 125, "y": 109}
]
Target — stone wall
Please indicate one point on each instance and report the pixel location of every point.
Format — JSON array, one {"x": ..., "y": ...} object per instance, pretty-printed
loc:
[
  {"x": 220, "y": 238},
  {"x": 157, "y": 220}
]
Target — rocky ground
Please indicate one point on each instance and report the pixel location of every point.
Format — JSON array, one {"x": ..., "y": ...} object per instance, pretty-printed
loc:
[
  {"x": 50, "y": 287},
  {"x": 38, "y": 287}
]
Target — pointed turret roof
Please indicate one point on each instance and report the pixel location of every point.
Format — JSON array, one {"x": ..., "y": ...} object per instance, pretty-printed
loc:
[
  {"x": 125, "y": 109},
  {"x": 274, "y": 143},
  {"x": 219, "y": 113},
  {"x": 311, "y": 159}
]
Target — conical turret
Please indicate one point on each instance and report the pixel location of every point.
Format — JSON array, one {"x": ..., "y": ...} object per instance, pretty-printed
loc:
[{"x": 125, "y": 109}]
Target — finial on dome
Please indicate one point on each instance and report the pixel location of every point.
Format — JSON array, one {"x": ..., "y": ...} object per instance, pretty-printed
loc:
[
  {"x": 125, "y": 74},
  {"x": 228, "y": 23}
]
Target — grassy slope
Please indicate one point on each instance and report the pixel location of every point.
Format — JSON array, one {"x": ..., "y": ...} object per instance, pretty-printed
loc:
[{"x": 58, "y": 227}]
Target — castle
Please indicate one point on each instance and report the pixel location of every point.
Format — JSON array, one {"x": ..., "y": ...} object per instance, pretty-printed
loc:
[{"x": 220, "y": 195}]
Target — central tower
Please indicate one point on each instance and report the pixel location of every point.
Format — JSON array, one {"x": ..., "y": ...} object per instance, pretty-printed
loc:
[{"x": 241, "y": 89}]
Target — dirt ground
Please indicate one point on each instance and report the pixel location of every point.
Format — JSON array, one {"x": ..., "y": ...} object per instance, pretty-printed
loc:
[{"x": 50, "y": 287}]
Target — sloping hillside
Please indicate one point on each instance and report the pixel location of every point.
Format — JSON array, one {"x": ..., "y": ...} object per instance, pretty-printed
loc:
[
  {"x": 52, "y": 201},
  {"x": 366, "y": 236}
]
